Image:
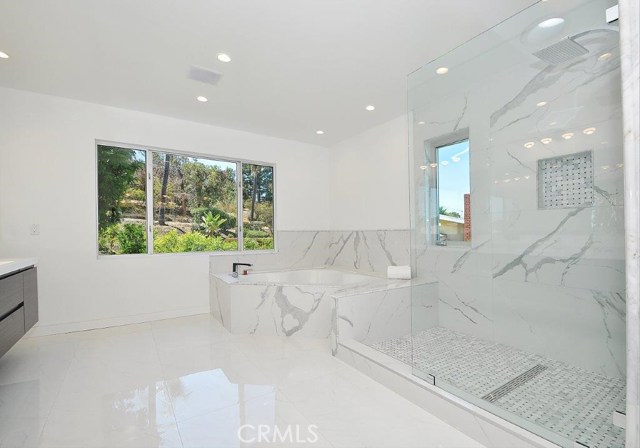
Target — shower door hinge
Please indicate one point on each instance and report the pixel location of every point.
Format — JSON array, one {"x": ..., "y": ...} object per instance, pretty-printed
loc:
[
  {"x": 619, "y": 419},
  {"x": 612, "y": 14}
]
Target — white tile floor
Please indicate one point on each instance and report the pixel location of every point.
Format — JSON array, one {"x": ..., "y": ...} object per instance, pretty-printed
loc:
[{"x": 187, "y": 382}]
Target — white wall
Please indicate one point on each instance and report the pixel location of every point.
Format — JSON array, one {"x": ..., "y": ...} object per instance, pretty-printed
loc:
[
  {"x": 47, "y": 176},
  {"x": 370, "y": 184}
]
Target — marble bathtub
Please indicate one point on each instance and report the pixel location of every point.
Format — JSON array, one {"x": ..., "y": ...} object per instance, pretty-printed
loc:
[{"x": 299, "y": 302}]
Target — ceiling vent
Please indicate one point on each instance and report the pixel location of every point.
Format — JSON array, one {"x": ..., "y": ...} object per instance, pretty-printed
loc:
[{"x": 205, "y": 75}]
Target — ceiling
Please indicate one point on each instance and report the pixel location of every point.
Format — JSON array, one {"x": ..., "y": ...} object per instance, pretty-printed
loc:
[{"x": 297, "y": 66}]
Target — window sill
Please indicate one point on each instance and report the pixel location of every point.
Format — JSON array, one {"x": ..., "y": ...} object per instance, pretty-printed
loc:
[{"x": 183, "y": 254}]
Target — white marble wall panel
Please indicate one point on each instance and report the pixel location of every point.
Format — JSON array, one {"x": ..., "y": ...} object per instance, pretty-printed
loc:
[
  {"x": 630, "y": 54},
  {"x": 579, "y": 325},
  {"x": 375, "y": 316},
  {"x": 424, "y": 306},
  {"x": 370, "y": 251},
  {"x": 521, "y": 256}
]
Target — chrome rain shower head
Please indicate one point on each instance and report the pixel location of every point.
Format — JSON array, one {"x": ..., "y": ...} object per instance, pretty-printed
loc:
[{"x": 561, "y": 52}]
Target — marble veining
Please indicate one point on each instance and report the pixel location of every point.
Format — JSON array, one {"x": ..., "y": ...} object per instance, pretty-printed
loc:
[
  {"x": 535, "y": 279},
  {"x": 630, "y": 56},
  {"x": 370, "y": 251},
  {"x": 269, "y": 306}
]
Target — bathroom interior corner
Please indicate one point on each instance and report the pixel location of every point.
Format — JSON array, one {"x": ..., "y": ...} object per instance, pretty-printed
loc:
[{"x": 290, "y": 223}]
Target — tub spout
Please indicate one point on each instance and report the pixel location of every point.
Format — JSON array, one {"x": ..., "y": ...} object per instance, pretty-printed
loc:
[{"x": 234, "y": 272}]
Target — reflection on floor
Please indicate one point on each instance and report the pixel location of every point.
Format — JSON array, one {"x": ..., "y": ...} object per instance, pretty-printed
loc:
[
  {"x": 573, "y": 402},
  {"x": 187, "y": 382}
]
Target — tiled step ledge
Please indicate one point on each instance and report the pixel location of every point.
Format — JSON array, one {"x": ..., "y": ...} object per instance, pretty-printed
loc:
[{"x": 485, "y": 427}]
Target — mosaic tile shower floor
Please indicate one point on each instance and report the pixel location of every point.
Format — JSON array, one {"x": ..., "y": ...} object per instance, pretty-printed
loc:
[{"x": 567, "y": 400}]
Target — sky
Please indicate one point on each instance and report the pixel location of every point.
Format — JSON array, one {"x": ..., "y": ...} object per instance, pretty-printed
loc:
[{"x": 453, "y": 176}]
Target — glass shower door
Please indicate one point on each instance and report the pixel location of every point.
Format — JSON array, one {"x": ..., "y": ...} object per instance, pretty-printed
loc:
[{"x": 526, "y": 319}]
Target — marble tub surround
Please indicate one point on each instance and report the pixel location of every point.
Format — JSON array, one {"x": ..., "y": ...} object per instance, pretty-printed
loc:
[
  {"x": 378, "y": 314},
  {"x": 284, "y": 303},
  {"x": 369, "y": 250}
]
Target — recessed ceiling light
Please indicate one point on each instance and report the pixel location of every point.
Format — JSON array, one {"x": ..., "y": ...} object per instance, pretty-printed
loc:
[
  {"x": 567, "y": 136},
  {"x": 433, "y": 165},
  {"x": 589, "y": 131},
  {"x": 516, "y": 179},
  {"x": 442, "y": 70},
  {"x": 549, "y": 23},
  {"x": 420, "y": 123},
  {"x": 541, "y": 103},
  {"x": 202, "y": 99},
  {"x": 3, "y": 55},
  {"x": 444, "y": 163},
  {"x": 604, "y": 56},
  {"x": 224, "y": 57},
  {"x": 319, "y": 132},
  {"x": 546, "y": 140},
  {"x": 529, "y": 145},
  {"x": 455, "y": 159},
  {"x": 370, "y": 107},
  {"x": 553, "y": 123},
  {"x": 423, "y": 167}
]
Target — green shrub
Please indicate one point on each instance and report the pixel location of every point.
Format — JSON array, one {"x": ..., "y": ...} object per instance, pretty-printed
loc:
[
  {"x": 198, "y": 213},
  {"x": 167, "y": 243},
  {"x": 108, "y": 239},
  {"x": 258, "y": 243},
  {"x": 136, "y": 194},
  {"x": 254, "y": 225},
  {"x": 256, "y": 234},
  {"x": 173, "y": 242},
  {"x": 264, "y": 212},
  {"x": 132, "y": 239}
]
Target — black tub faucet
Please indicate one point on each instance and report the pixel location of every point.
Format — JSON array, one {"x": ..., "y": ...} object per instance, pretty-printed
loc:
[{"x": 234, "y": 273}]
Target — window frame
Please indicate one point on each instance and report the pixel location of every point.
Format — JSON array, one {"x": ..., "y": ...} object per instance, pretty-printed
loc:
[
  {"x": 431, "y": 148},
  {"x": 149, "y": 150}
]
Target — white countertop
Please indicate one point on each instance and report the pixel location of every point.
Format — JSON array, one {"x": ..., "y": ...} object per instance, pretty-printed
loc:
[{"x": 9, "y": 265}]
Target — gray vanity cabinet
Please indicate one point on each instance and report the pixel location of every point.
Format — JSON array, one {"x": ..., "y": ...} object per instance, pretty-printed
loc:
[
  {"x": 18, "y": 306},
  {"x": 30, "y": 298}
]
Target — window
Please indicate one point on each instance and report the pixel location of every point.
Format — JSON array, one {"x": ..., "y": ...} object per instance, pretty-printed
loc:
[
  {"x": 454, "y": 200},
  {"x": 257, "y": 182},
  {"x": 163, "y": 202}
]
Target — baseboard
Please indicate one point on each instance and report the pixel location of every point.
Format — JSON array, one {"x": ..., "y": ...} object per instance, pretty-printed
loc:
[{"x": 70, "y": 327}]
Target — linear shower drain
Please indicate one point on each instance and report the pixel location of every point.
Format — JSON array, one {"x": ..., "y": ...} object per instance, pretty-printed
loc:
[{"x": 514, "y": 383}]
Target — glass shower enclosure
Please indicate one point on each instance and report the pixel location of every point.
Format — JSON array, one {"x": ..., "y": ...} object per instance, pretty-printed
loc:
[{"x": 525, "y": 245}]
